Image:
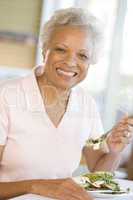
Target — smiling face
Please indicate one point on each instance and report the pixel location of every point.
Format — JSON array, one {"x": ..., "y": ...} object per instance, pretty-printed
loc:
[{"x": 66, "y": 57}]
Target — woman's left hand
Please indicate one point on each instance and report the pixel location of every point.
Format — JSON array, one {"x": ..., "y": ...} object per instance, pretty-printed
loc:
[{"x": 120, "y": 135}]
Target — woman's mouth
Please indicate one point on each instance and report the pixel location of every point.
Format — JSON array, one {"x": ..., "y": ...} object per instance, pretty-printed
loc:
[{"x": 67, "y": 74}]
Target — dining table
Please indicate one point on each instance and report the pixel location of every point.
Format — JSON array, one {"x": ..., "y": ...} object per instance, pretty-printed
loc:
[{"x": 124, "y": 183}]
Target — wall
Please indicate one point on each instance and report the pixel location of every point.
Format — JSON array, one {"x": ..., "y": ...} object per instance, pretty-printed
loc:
[{"x": 23, "y": 19}]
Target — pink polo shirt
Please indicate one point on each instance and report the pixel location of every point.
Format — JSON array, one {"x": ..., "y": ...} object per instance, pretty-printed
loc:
[{"x": 34, "y": 147}]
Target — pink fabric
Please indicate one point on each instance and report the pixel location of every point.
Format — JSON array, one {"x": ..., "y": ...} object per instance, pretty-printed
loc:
[{"x": 34, "y": 148}]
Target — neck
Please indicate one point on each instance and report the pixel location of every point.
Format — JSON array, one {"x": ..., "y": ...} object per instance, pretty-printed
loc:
[{"x": 51, "y": 93}]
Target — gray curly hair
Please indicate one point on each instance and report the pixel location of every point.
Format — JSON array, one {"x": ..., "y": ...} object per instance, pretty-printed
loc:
[{"x": 75, "y": 17}]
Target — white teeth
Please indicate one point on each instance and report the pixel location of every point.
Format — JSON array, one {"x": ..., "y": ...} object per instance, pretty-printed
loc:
[{"x": 61, "y": 72}]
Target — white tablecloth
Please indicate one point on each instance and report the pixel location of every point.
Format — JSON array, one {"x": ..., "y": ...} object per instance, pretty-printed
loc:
[{"x": 123, "y": 183}]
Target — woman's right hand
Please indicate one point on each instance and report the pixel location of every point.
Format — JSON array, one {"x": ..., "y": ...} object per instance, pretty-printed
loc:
[{"x": 63, "y": 189}]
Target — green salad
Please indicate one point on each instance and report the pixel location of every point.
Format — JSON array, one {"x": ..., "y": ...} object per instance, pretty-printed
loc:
[{"x": 100, "y": 181}]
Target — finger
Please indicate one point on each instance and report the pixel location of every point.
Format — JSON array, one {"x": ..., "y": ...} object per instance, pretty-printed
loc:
[
  {"x": 74, "y": 190},
  {"x": 68, "y": 197},
  {"x": 127, "y": 120},
  {"x": 128, "y": 134},
  {"x": 67, "y": 194},
  {"x": 120, "y": 126},
  {"x": 128, "y": 138},
  {"x": 124, "y": 119},
  {"x": 123, "y": 140},
  {"x": 120, "y": 129},
  {"x": 86, "y": 196},
  {"x": 130, "y": 128},
  {"x": 81, "y": 193},
  {"x": 123, "y": 133},
  {"x": 120, "y": 136},
  {"x": 130, "y": 121}
]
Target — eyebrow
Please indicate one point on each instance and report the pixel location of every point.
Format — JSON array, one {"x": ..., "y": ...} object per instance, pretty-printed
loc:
[
  {"x": 62, "y": 44},
  {"x": 84, "y": 50}
]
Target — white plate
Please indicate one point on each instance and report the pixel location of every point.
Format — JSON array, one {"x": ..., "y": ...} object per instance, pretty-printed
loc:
[{"x": 99, "y": 194}]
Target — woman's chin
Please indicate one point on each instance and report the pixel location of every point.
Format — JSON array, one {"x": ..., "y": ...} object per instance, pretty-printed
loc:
[
  {"x": 64, "y": 85},
  {"x": 63, "y": 82}
]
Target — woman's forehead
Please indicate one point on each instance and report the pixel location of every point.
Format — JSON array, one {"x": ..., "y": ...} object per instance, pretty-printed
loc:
[{"x": 70, "y": 34}]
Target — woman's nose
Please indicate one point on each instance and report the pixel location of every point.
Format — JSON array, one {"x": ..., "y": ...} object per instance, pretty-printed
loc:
[{"x": 71, "y": 60}]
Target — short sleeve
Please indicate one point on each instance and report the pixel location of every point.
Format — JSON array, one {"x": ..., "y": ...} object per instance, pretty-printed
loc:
[{"x": 3, "y": 119}]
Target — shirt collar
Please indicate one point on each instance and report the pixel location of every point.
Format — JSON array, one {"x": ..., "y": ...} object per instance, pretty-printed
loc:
[{"x": 33, "y": 97}]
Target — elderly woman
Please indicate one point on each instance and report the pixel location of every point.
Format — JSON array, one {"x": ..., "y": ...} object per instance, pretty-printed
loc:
[{"x": 45, "y": 120}]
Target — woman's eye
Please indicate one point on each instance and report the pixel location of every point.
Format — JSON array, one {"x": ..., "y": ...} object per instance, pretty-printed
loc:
[
  {"x": 83, "y": 56},
  {"x": 59, "y": 49}
]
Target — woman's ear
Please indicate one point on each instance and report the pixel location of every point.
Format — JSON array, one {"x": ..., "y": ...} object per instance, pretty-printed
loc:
[{"x": 40, "y": 70}]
